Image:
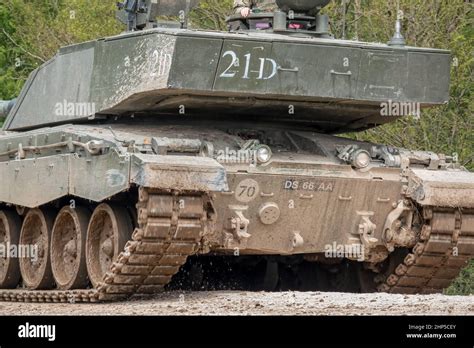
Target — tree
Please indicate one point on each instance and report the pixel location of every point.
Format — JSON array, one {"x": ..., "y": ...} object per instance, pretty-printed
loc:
[
  {"x": 439, "y": 24},
  {"x": 31, "y": 32}
]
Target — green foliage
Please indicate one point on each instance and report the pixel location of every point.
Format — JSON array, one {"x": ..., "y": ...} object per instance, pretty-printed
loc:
[
  {"x": 32, "y": 31},
  {"x": 211, "y": 14},
  {"x": 440, "y": 24},
  {"x": 14, "y": 68},
  {"x": 464, "y": 285}
]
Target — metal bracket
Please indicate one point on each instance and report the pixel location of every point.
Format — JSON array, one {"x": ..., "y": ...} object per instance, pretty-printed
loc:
[
  {"x": 349, "y": 73},
  {"x": 366, "y": 228},
  {"x": 295, "y": 70},
  {"x": 396, "y": 233},
  {"x": 239, "y": 223}
]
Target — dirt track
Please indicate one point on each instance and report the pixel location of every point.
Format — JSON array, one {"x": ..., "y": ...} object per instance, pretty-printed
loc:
[{"x": 259, "y": 303}]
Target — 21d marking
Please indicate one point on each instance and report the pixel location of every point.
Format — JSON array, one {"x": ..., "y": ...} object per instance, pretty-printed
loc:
[{"x": 260, "y": 74}]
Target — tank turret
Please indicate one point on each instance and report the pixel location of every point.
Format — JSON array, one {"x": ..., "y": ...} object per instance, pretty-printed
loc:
[{"x": 277, "y": 63}]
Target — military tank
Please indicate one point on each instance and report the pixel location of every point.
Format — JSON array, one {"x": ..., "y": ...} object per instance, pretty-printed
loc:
[{"x": 123, "y": 157}]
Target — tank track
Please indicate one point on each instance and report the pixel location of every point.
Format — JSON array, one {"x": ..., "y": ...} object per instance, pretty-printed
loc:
[
  {"x": 445, "y": 246},
  {"x": 170, "y": 228}
]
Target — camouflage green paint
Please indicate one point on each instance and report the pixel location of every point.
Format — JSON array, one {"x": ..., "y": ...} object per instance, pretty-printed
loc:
[{"x": 334, "y": 84}]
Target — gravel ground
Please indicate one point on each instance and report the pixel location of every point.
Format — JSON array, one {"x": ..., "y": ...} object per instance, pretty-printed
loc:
[{"x": 259, "y": 303}]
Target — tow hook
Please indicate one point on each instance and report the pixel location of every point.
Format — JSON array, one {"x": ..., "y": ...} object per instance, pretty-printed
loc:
[{"x": 366, "y": 228}]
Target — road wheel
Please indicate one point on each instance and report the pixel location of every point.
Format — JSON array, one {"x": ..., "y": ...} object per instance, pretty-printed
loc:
[
  {"x": 35, "y": 237},
  {"x": 68, "y": 245},
  {"x": 109, "y": 230},
  {"x": 10, "y": 228}
]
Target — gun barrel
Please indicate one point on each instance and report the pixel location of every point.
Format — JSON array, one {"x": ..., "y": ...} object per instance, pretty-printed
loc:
[{"x": 6, "y": 106}]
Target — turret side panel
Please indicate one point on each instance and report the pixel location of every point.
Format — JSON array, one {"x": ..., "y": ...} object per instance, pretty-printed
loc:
[
  {"x": 428, "y": 76},
  {"x": 195, "y": 63},
  {"x": 306, "y": 70},
  {"x": 129, "y": 66},
  {"x": 59, "y": 93},
  {"x": 383, "y": 76}
]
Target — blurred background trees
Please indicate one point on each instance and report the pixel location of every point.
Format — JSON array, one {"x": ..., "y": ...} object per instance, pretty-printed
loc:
[
  {"x": 32, "y": 30},
  {"x": 446, "y": 24}
]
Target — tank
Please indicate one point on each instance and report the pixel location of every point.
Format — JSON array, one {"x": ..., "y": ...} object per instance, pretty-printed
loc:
[{"x": 166, "y": 155}]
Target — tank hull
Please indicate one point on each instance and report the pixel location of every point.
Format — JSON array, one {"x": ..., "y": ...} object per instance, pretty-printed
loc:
[{"x": 303, "y": 202}]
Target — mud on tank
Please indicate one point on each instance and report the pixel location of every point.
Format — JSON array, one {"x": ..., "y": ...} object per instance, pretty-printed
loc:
[{"x": 158, "y": 147}]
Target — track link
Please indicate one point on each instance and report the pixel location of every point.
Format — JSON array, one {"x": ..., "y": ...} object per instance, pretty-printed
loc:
[
  {"x": 171, "y": 227},
  {"x": 446, "y": 245}
]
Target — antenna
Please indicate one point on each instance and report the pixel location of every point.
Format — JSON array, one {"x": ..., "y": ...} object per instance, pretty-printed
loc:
[
  {"x": 183, "y": 15},
  {"x": 398, "y": 40},
  {"x": 344, "y": 9}
]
